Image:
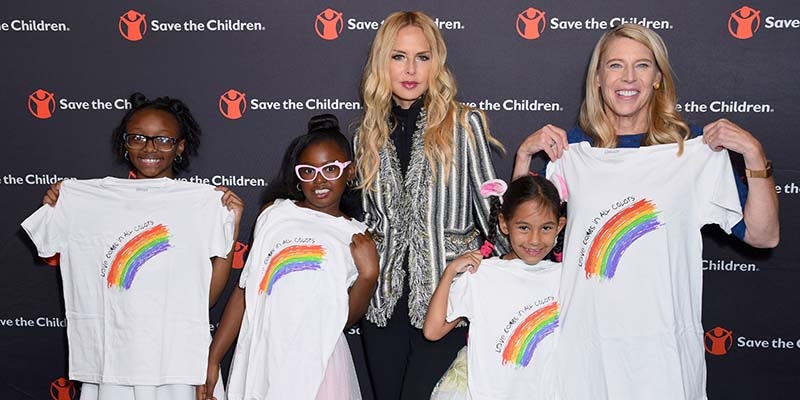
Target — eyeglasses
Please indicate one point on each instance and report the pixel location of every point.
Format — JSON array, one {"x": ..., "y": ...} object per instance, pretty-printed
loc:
[
  {"x": 331, "y": 171},
  {"x": 135, "y": 141}
]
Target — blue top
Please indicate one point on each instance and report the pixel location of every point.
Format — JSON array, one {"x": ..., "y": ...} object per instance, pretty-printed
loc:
[{"x": 577, "y": 135}]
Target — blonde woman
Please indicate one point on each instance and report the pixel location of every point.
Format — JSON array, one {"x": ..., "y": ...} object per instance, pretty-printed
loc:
[
  {"x": 421, "y": 158},
  {"x": 633, "y": 330}
]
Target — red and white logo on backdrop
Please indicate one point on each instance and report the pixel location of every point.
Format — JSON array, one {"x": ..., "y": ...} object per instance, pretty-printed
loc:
[
  {"x": 718, "y": 341},
  {"x": 329, "y": 24},
  {"x": 52, "y": 261},
  {"x": 744, "y": 22},
  {"x": 62, "y": 389},
  {"x": 42, "y": 103},
  {"x": 238, "y": 255},
  {"x": 232, "y": 104},
  {"x": 531, "y": 23},
  {"x": 132, "y": 25}
]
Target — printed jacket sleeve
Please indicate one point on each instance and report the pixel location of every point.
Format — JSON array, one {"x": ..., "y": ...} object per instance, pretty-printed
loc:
[{"x": 481, "y": 169}]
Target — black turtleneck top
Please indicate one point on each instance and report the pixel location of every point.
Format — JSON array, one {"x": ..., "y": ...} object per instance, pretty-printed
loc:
[{"x": 403, "y": 134}]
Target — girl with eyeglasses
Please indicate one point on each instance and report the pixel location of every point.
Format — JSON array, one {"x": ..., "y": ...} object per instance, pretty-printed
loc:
[
  {"x": 309, "y": 275},
  {"x": 141, "y": 259}
]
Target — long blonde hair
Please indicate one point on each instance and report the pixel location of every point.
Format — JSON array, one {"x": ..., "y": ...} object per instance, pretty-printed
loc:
[
  {"x": 665, "y": 124},
  {"x": 442, "y": 110}
]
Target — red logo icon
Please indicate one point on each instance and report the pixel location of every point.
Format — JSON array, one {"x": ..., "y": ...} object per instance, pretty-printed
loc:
[
  {"x": 52, "y": 261},
  {"x": 132, "y": 25},
  {"x": 62, "y": 389},
  {"x": 41, "y": 104},
  {"x": 718, "y": 341},
  {"x": 531, "y": 23},
  {"x": 238, "y": 255},
  {"x": 744, "y": 22},
  {"x": 329, "y": 24},
  {"x": 232, "y": 104}
]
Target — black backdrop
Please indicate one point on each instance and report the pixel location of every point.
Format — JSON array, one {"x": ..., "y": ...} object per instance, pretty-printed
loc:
[{"x": 253, "y": 72}]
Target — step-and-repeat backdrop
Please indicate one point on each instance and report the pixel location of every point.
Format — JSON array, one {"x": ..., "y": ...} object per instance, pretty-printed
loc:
[{"x": 253, "y": 72}]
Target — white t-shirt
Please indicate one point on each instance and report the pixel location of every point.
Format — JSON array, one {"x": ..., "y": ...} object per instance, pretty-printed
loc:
[
  {"x": 296, "y": 279},
  {"x": 632, "y": 278},
  {"x": 135, "y": 261},
  {"x": 513, "y": 314}
]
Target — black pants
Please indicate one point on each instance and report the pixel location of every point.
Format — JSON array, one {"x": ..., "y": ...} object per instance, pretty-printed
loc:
[{"x": 403, "y": 365}]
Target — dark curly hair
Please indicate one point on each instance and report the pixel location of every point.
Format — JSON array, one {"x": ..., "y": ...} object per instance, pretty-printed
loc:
[
  {"x": 527, "y": 188},
  {"x": 189, "y": 129},
  {"x": 321, "y": 128}
]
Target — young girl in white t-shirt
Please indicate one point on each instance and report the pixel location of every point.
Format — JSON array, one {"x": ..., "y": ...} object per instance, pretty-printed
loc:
[
  {"x": 310, "y": 274},
  {"x": 511, "y": 302}
]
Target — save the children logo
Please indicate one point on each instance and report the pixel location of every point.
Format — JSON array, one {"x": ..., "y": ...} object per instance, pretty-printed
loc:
[
  {"x": 131, "y": 250},
  {"x": 607, "y": 239},
  {"x": 232, "y": 104},
  {"x": 42, "y": 103},
  {"x": 744, "y": 22},
  {"x": 288, "y": 256},
  {"x": 329, "y": 24},
  {"x": 718, "y": 341},
  {"x": 531, "y": 23},
  {"x": 62, "y": 389},
  {"x": 238, "y": 255},
  {"x": 132, "y": 25}
]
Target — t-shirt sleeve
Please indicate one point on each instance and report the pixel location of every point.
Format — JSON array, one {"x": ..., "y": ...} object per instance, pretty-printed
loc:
[
  {"x": 555, "y": 173},
  {"x": 723, "y": 207},
  {"x": 221, "y": 229},
  {"x": 45, "y": 227},
  {"x": 460, "y": 303}
]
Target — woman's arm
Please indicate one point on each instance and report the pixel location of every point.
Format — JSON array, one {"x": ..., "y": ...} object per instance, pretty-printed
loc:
[
  {"x": 762, "y": 226},
  {"x": 549, "y": 138}
]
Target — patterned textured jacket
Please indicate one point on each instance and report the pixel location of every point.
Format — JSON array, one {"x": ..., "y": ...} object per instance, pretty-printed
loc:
[{"x": 429, "y": 221}]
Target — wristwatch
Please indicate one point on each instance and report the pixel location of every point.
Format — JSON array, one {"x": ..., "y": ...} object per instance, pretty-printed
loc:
[{"x": 760, "y": 173}]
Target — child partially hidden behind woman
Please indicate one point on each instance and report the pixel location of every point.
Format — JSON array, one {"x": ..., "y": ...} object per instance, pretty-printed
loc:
[{"x": 511, "y": 302}]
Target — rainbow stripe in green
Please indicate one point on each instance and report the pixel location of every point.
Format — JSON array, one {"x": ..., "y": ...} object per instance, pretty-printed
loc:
[
  {"x": 291, "y": 259},
  {"x": 135, "y": 253},
  {"x": 529, "y": 333},
  {"x": 617, "y": 235}
]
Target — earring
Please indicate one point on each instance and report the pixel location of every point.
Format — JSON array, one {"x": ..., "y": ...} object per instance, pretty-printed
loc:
[
  {"x": 178, "y": 159},
  {"x": 298, "y": 187},
  {"x": 126, "y": 155},
  {"x": 657, "y": 86}
]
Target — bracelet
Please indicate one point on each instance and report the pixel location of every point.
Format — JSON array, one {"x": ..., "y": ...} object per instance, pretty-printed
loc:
[{"x": 760, "y": 173}]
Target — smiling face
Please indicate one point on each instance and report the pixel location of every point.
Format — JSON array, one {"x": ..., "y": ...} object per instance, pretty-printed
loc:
[
  {"x": 321, "y": 194},
  {"x": 627, "y": 76},
  {"x": 409, "y": 66},
  {"x": 532, "y": 231},
  {"x": 148, "y": 161}
]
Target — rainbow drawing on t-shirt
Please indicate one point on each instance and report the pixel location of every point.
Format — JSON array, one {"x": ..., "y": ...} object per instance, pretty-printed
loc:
[
  {"x": 529, "y": 333},
  {"x": 617, "y": 235},
  {"x": 291, "y": 259},
  {"x": 136, "y": 252}
]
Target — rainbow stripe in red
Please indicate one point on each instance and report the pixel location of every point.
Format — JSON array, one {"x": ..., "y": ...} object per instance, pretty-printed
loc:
[
  {"x": 291, "y": 259},
  {"x": 529, "y": 333},
  {"x": 135, "y": 253},
  {"x": 617, "y": 235}
]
